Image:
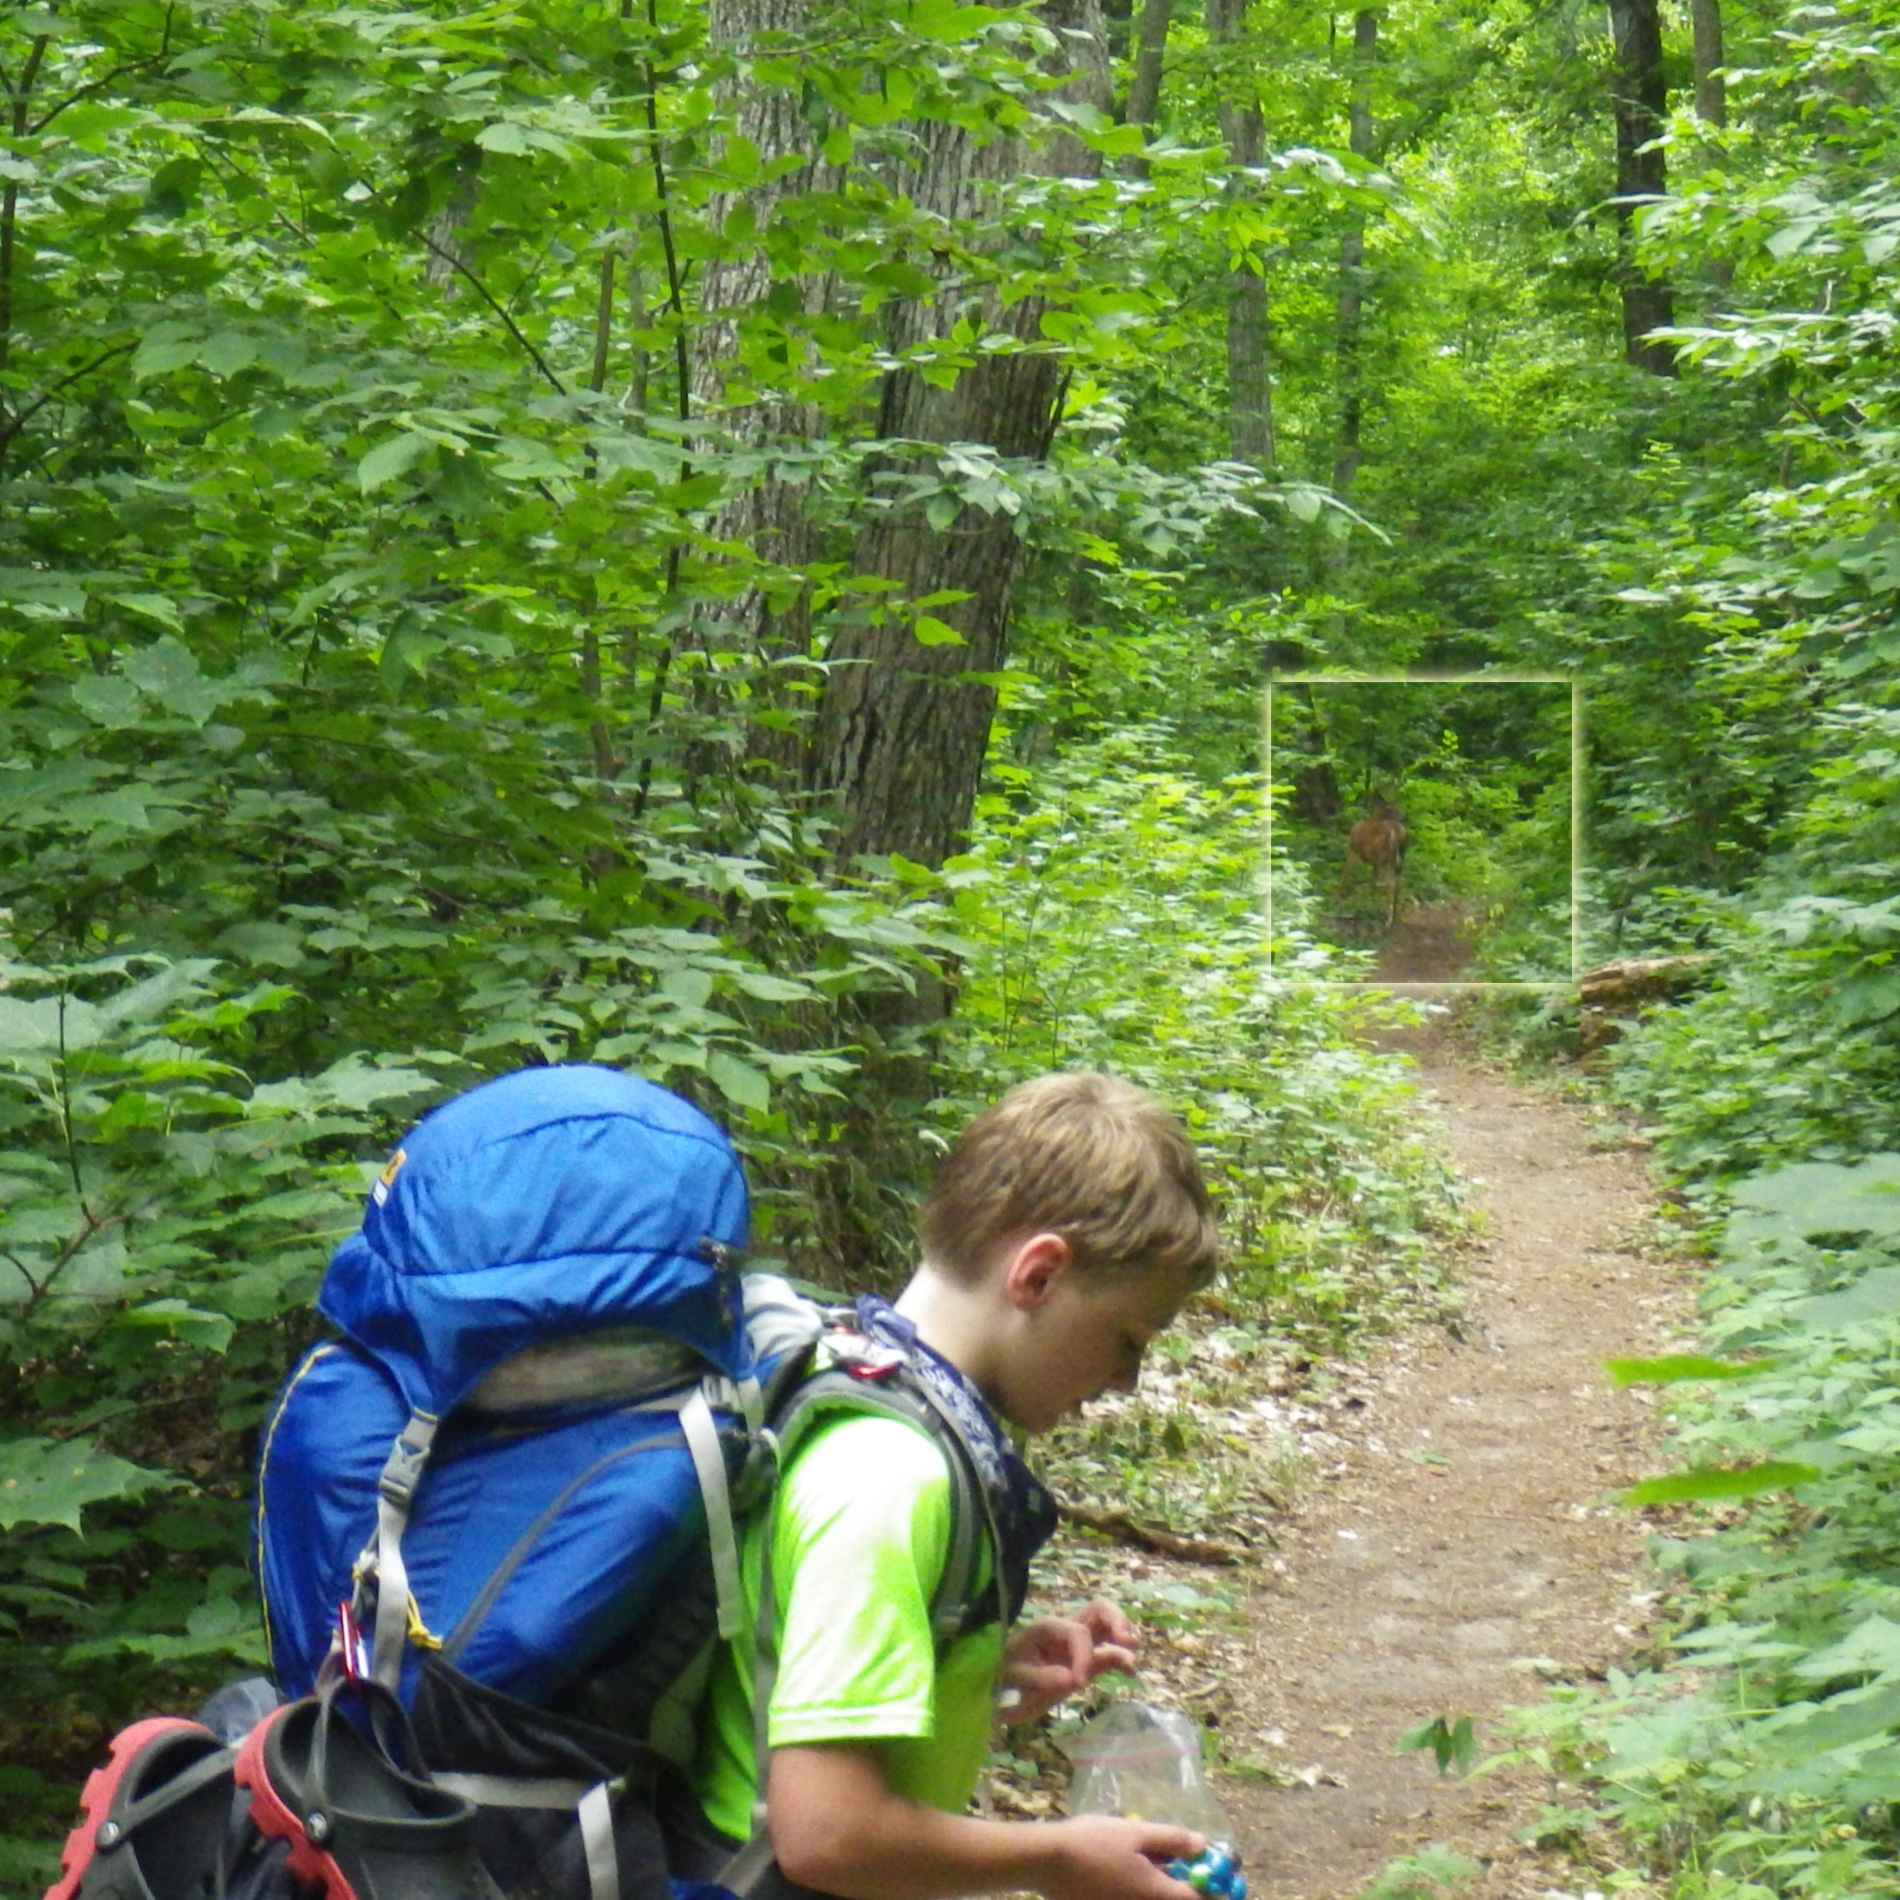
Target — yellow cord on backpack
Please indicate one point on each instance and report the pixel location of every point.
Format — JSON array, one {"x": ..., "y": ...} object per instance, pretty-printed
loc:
[{"x": 418, "y": 1632}]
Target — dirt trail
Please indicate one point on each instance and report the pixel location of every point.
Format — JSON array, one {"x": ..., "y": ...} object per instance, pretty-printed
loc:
[{"x": 1460, "y": 1549}]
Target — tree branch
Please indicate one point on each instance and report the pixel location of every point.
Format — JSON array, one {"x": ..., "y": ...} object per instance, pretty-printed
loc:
[{"x": 487, "y": 296}]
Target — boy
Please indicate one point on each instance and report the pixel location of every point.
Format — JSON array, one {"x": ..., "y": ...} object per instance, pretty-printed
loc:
[{"x": 1064, "y": 1231}]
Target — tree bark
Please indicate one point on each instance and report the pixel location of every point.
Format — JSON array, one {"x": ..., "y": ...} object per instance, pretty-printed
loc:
[
  {"x": 1711, "y": 88},
  {"x": 1350, "y": 308},
  {"x": 1642, "y": 104},
  {"x": 769, "y": 623},
  {"x": 1249, "y": 375},
  {"x": 1144, "y": 83},
  {"x": 902, "y": 729}
]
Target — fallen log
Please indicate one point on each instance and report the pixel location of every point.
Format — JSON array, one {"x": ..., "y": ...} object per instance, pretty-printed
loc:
[
  {"x": 1124, "y": 1529},
  {"x": 1635, "y": 980},
  {"x": 1615, "y": 991}
]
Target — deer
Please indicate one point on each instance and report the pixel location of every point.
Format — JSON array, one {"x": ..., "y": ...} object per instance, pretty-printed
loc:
[{"x": 1378, "y": 843}]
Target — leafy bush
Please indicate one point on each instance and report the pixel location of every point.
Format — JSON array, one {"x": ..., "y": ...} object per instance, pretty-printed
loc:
[
  {"x": 1112, "y": 906},
  {"x": 1762, "y": 1748},
  {"x": 162, "y": 1226},
  {"x": 1790, "y": 1054}
]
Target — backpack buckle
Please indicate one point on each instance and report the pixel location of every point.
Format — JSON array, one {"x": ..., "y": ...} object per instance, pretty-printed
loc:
[
  {"x": 850, "y": 1351},
  {"x": 398, "y": 1488},
  {"x": 874, "y": 1365}
]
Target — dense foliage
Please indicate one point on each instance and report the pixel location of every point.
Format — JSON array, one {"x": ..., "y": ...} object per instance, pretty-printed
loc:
[
  {"x": 1757, "y": 1753},
  {"x": 743, "y": 540},
  {"x": 400, "y": 685}
]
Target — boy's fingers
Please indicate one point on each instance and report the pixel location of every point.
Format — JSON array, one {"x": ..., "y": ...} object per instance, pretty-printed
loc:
[
  {"x": 1107, "y": 1656},
  {"x": 1176, "y": 1843},
  {"x": 1110, "y": 1623},
  {"x": 1055, "y": 1641},
  {"x": 1040, "y": 1680}
]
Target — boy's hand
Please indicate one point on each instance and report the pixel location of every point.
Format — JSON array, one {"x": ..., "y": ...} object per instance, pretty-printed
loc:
[
  {"x": 1101, "y": 1857},
  {"x": 1057, "y": 1655}
]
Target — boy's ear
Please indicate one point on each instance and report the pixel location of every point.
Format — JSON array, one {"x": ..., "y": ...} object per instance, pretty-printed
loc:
[{"x": 1033, "y": 1269}]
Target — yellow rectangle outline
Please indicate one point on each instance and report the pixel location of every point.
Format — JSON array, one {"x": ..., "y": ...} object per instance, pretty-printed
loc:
[{"x": 1577, "y": 762}]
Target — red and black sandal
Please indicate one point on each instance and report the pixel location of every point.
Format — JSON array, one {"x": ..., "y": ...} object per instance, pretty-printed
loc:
[
  {"x": 155, "y": 1817},
  {"x": 359, "y": 1826}
]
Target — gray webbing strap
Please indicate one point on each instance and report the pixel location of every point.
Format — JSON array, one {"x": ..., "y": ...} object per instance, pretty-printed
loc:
[
  {"x": 957, "y": 1589},
  {"x": 395, "y": 1492},
  {"x": 592, "y": 1802},
  {"x": 514, "y": 1791},
  {"x": 596, "y": 1812},
  {"x": 709, "y": 1464},
  {"x": 748, "y": 1866},
  {"x": 744, "y": 1396}
]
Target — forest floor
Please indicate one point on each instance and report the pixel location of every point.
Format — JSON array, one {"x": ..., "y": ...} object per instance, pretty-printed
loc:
[{"x": 1451, "y": 1548}]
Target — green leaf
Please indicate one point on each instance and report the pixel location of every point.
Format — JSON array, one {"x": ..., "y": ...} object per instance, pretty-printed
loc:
[
  {"x": 1872, "y": 1648},
  {"x": 932, "y": 632},
  {"x": 773, "y": 989},
  {"x": 523, "y": 460},
  {"x": 29, "y": 1027},
  {"x": 228, "y": 352},
  {"x": 1452, "y": 1742},
  {"x": 159, "y": 607},
  {"x": 739, "y": 1082},
  {"x": 1677, "y": 1368},
  {"x": 505, "y": 137},
  {"x": 107, "y": 700},
  {"x": 43, "y": 1482},
  {"x": 1867, "y": 999},
  {"x": 1710, "y": 1483},
  {"x": 390, "y": 459},
  {"x": 1874, "y": 1296},
  {"x": 168, "y": 671},
  {"x": 192, "y": 1324},
  {"x": 1825, "y": 1197},
  {"x": 165, "y": 347},
  {"x": 686, "y": 984},
  {"x": 354, "y": 1083}
]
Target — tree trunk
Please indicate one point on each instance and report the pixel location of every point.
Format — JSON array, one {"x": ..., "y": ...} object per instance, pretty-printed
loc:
[
  {"x": 1642, "y": 104},
  {"x": 1249, "y": 378},
  {"x": 1711, "y": 88},
  {"x": 1350, "y": 307},
  {"x": 901, "y": 731},
  {"x": 1711, "y": 99},
  {"x": 772, "y": 518},
  {"x": 1144, "y": 84}
]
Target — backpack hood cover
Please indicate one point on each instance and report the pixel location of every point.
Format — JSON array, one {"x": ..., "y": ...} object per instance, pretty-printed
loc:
[{"x": 551, "y": 1202}]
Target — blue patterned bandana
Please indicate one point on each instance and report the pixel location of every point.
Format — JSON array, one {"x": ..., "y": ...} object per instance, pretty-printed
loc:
[{"x": 1024, "y": 1510}]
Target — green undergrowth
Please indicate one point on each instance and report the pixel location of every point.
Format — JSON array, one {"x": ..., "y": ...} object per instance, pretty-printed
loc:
[
  {"x": 1756, "y": 1749},
  {"x": 165, "y": 1212},
  {"x": 1112, "y": 904}
]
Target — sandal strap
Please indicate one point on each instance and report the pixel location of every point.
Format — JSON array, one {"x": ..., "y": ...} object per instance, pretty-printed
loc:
[{"x": 139, "y": 1809}]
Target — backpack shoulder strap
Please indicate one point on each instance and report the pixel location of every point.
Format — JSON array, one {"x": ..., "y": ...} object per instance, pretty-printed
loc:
[
  {"x": 879, "y": 1385},
  {"x": 395, "y": 1493},
  {"x": 891, "y": 1391}
]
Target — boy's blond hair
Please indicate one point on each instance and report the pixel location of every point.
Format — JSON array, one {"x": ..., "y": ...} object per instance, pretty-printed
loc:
[{"x": 1089, "y": 1157}]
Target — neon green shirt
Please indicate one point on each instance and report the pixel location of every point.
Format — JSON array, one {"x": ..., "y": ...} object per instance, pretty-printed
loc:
[{"x": 860, "y": 1531}]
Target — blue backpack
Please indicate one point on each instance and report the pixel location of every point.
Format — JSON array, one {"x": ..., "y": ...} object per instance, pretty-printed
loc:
[{"x": 512, "y": 1491}]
